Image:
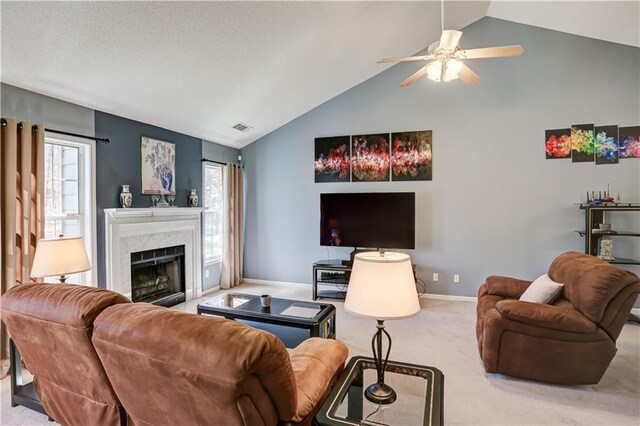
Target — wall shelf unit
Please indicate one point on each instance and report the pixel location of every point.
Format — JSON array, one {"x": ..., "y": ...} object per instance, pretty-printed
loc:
[{"x": 597, "y": 213}]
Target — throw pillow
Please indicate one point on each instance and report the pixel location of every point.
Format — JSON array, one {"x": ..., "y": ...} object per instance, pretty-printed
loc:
[{"x": 543, "y": 290}]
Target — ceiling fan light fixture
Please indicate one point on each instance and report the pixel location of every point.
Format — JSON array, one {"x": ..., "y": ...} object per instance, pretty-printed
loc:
[{"x": 452, "y": 68}]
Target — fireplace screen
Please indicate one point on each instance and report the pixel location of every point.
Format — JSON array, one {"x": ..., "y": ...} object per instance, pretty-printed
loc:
[{"x": 157, "y": 276}]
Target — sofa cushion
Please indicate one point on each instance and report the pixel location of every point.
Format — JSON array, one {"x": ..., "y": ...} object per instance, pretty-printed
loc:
[
  {"x": 167, "y": 365},
  {"x": 316, "y": 362},
  {"x": 543, "y": 290},
  {"x": 506, "y": 286},
  {"x": 52, "y": 325},
  {"x": 589, "y": 283},
  {"x": 546, "y": 316}
]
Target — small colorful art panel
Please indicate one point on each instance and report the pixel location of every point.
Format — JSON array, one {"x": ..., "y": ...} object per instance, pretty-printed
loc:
[
  {"x": 332, "y": 159},
  {"x": 629, "y": 142},
  {"x": 411, "y": 156},
  {"x": 557, "y": 143},
  {"x": 606, "y": 144},
  {"x": 158, "y": 166},
  {"x": 582, "y": 143},
  {"x": 370, "y": 158}
]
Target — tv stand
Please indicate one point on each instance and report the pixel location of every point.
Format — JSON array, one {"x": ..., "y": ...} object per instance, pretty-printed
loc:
[{"x": 335, "y": 273}]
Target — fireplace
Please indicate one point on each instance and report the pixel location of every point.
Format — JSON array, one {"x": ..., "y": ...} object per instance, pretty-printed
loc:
[{"x": 158, "y": 276}]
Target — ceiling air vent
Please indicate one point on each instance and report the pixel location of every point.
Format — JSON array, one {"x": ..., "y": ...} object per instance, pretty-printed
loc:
[{"x": 242, "y": 127}]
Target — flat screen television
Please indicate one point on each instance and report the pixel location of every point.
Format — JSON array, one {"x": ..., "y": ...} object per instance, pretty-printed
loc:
[{"x": 381, "y": 220}]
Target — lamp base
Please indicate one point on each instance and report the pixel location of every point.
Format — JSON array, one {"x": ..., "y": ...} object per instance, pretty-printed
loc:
[{"x": 380, "y": 393}]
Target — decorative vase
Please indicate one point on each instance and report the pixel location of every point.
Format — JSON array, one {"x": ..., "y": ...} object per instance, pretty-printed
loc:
[
  {"x": 125, "y": 197},
  {"x": 193, "y": 198}
]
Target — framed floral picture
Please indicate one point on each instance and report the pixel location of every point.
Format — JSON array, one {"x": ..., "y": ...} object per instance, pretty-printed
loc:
[
  {"x": 606, "y": 144},
  {"x": 557, "y": 143},
  {"x": 630, "y": 142},
  {"x": 332, "y": 159},
  {"x": 370, "y": 158},
  {"x": 582, "y": 143},
  {"x": 411, "y": 156},
  {"x": 158, "y": 166}
]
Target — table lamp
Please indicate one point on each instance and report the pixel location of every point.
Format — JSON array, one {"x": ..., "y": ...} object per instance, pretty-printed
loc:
[
  {"x": 59, "y": 257},
  {"x": 382, "y": 286}
]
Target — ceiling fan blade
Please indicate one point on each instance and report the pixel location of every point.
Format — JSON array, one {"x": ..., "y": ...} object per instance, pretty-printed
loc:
[
  {"x": 468, "y": 76},
  {"x": 449, "y": 39},
  {"x": 416, "y": 75},
  {"x": 491, "y": 52},
  {"x": 403, "y": 58}
]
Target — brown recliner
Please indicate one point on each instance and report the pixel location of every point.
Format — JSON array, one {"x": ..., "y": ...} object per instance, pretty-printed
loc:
[
  {"x": 171, "y": 367},
  {"x": 51, "y": 325},
  {"x": 571, "y": 341}
]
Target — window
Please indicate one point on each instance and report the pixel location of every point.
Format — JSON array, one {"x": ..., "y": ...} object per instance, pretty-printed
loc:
[
  {"x": 213, "y": 214},
  {"x": 68, "y": 205}
]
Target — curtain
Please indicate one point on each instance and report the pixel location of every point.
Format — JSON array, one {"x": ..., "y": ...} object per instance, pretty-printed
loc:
[
  {"x": 233, "y": 229},
  {"x": 21, "y": 208}
]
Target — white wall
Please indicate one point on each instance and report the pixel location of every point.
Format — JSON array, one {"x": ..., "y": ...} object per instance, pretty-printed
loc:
[{"x": 495, "y": 205}]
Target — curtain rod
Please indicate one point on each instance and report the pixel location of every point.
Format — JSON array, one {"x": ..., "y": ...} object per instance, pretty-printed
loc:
[
  {"x": 35, "y": 128},
  {"x": 206, "y": 160}
]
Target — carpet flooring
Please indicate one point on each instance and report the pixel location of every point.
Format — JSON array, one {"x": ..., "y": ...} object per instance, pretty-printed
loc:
[{"x": 442, "y": 335}]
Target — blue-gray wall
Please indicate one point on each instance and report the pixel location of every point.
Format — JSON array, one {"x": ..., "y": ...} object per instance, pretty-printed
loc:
[
  {"x": 495, "y": 205},
  {"x": 55, "y": 114},
  {"x": 118, "y": 163}
]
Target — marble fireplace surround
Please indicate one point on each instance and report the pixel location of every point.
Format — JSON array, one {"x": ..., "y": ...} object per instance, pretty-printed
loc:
[{"x": 131, "y": 230}]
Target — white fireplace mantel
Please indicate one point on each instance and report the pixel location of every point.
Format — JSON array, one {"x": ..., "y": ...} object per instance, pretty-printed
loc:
[{"x": 132, "y": 230}]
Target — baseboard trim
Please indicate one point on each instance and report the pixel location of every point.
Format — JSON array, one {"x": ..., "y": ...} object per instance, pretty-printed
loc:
[
  {"x": 274, "y": 283},
  {"x": 298, "y": 285},
  {"x": 449, "y": 297}
]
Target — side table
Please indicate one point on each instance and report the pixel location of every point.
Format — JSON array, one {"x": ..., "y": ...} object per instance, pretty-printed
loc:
[
  {"x": 22, "y": 393},
  {"x": 420, "y": 392}
]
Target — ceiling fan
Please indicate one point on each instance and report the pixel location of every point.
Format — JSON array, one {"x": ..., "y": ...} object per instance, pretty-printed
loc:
[{"x": 445, "y": 58}]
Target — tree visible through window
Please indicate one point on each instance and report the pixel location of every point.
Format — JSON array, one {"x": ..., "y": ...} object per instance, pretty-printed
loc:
[
  {"x": 63, "y": 215},
  {"x": 213, "y": 214}
]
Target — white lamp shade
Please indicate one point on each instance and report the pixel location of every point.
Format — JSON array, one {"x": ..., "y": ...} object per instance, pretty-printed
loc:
[
  {"x": 382, "y": 287},
  {"x": 60, "y": 256}
]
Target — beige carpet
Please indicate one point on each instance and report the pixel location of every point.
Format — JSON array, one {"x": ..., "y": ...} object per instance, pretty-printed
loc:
[{"x": 443, "y": 336}]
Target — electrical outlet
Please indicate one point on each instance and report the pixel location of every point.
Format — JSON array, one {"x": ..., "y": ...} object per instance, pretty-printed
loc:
[
  {"x": 206, "y": 273},
  {"x": 435, "y": 276},
  {"x": 456, "y": 278}
]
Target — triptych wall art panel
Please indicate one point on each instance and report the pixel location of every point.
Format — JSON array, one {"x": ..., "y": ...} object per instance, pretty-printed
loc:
[
  {"x": 586, "y": 143},
  {"x": 378, "y": 157}
]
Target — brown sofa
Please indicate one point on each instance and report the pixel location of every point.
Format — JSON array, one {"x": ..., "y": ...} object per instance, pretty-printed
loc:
[
  {"x": 93, "y": 352},
  {"x": 571, "y": 341},
  {"x": 52, "y": 326}
]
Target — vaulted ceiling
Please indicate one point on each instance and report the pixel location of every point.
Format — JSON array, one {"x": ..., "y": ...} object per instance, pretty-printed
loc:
[{"x": 201, "y": 67}]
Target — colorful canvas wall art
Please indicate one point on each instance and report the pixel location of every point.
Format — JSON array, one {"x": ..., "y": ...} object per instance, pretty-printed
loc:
[
  {"x": 557, "y": 143},
  {"x": 332, "y": 159},
  {"x": 411, "y": 156},
  {"x": 582, "y": 143},
  {"x": 606, "y": 144},
  {"x": 629, "y": 142},
  {"x": 158, "y": 168},
  {"x": 370, "y": 158}
]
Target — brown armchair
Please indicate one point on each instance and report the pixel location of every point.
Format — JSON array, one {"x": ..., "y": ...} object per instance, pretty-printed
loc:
[
  {"x": 571, "y": 341},
  {"x": 171, "y": 367},
  {"x": 52, "y": 325}
]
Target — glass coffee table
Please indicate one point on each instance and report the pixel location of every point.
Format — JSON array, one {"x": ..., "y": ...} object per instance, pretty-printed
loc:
[
  {"x": 292, "y": 321},
  {"x": 420, "y": 392}
]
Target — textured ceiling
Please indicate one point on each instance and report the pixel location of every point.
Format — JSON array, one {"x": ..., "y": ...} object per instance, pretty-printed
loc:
[
  {"x": 200, "y": 67},
  {"x": 616, "y": 21}
]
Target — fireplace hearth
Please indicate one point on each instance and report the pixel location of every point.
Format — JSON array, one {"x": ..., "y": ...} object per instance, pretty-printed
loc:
[{"x": 158, "y": 276}]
